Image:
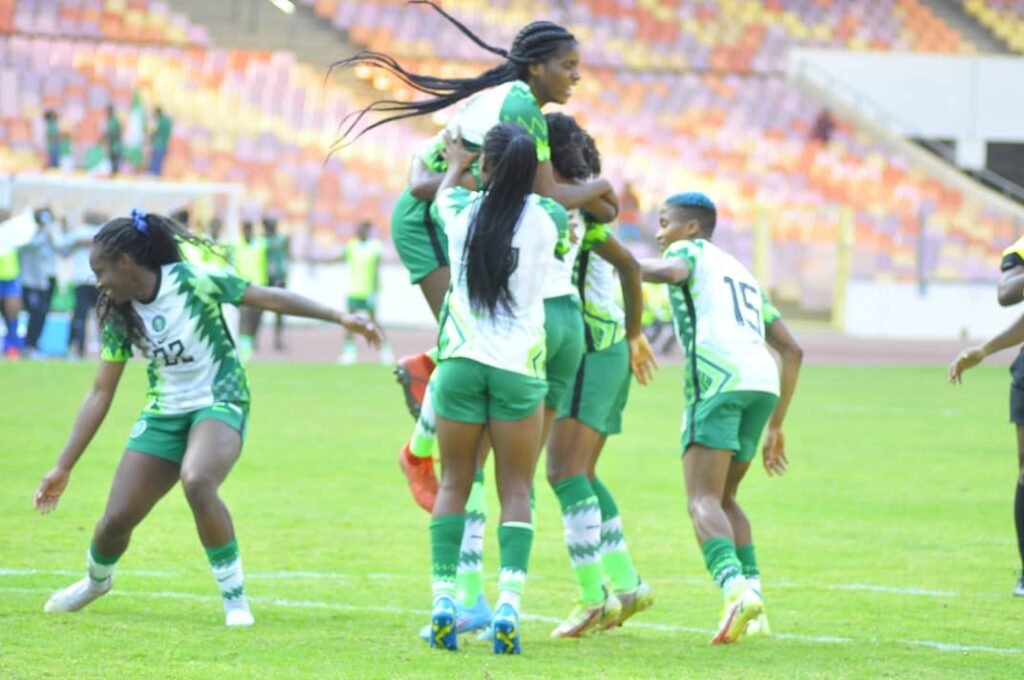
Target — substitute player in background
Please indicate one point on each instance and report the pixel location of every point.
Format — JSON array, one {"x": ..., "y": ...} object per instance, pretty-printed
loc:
[
  {"x": 723, "y": 319},
  {"x": 1010, "y": 292},
  {"x": 362, "y": 258},
  {"x": 194, "y": 423}
]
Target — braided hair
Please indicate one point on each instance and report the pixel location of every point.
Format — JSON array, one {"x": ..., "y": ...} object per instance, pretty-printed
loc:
[
  {"x": 573, "y": 151},
  {"x": 152, "y": 242},
  {"x": 534, "y": 43},
  {"x": 488, "y": 256}
]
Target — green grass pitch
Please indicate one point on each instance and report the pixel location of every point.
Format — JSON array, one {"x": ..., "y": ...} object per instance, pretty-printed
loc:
[{"x": 887, "y": 551}]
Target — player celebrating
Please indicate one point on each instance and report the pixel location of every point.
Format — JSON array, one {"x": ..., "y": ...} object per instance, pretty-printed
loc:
[
  {"x": 1010, "y": 292},
  {"x": 732, "y": 390},
  {"x": 593, "y": 530},
  {"x": 541, "y": 67},
  {"x": 194, "y": 423},
  {"x": 491, "y": 354}
]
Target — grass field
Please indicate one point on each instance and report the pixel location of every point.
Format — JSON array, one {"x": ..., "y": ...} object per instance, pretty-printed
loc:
[{"x": 887, "y": 551}]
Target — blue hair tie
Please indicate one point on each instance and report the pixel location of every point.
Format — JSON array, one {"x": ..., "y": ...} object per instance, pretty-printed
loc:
[
  {"x": 139, "y": 220},
  {"x": 692, "y": 199}
]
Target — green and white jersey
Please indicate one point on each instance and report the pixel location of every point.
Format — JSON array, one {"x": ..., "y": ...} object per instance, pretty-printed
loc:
[
  {"x": 598, "y": 285},
  {"x": 192, "y": 359},
  {"x": 511, "y": 340},
  {"x": 559, "y": 279},
  {"x": 720, "y": 317},
  {"x": 510, "y": 102}
]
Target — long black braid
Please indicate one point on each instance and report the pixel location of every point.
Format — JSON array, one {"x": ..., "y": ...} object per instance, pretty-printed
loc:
[
  {"x": 573, "y": 151},
  {"x": 151, "y": 241},
  {"x": 534, "y": 43}
]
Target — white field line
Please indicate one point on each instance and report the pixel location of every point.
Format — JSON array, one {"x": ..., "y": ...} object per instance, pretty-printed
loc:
[
  {"x": 705, "y": 633},
  {"x": 340, "y": 576}
]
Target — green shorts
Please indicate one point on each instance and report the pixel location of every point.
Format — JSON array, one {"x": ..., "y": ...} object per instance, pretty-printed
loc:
[
  {"x": 732, "y": 421},
  {"x": 368, "y": 305},
  {"x": 166, "y": 435},
  {"x": 471, "y": 392},
  {"x": 563, "y": 325},
  {"x": 422, "y": 245},
  {"x": 601, "y": 390}
]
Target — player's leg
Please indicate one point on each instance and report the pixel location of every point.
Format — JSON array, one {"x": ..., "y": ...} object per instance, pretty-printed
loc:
[
  {"x": 1018, "y": 507},
  {"x": 214, "y": 445},
  {"x": 279, "y": 319},
  {"x": 516, "y": 418},
  {"x": 710, "y": 440},
  {"x": 474, "y": 613},
  {"x": 143, "y": 477},
  {"x": 246, "y": 332},
  {"x": 462, "y": 405},
  {"x": 386, "y": 357}
]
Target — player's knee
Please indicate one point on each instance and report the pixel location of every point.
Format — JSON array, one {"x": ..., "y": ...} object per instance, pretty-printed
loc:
[
  {"x": 198, "y": 487},
  {"x": 115, "y": 524},
  {"x": 700, "y": 505}
]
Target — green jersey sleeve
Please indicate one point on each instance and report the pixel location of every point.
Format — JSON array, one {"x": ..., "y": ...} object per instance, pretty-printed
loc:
[
  {"x": 219, "y": 285},
  {"x": 769, "y": 312},
  {"x": 520, "y": 106},
  {"x": 449, "y": 203},
  {"x": 116, "y": 345},
  {"x": 687, "y": 250},
  {"x": 596, "y": 233},
  {"x": 560, "y": 217}
]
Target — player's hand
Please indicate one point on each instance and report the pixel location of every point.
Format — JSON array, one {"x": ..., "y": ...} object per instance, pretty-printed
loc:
[
  {"x": 641, "y": 359},
  {"x": 50, "y": 489},
  {"x": 969, "y": 358},
  {"x": 455, "y": 152},
  {"x": 360, "y": 323},
  {"x": 774, "y": 452}
]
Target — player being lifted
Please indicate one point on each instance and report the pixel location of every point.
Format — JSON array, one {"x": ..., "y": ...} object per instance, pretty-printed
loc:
[
  {"x": 732, "y": 387},
  {"x": 194, "y": 422}
]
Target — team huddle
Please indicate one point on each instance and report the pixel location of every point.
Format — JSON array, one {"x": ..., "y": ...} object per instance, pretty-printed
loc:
[{"x": 505, "y": 227}]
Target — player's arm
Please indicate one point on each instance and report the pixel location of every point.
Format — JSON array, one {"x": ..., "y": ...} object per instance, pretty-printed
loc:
[
  {"x": 972, "y": 356},
  {"x": 585, "y": 195},
  {"x": 669, "y": 270},
  {"x": 283, "y": 301},
  {"x": 640, "y": 354},
  {"x": 87, "y": 422},
  {"x": 1011, "y": 286},
  {"x": 782, "y": 341},
  {"x": 459, "y": 160}
]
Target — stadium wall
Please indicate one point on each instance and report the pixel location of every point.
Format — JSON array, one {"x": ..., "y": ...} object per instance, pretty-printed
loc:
[{"x": 935, "y": 311}]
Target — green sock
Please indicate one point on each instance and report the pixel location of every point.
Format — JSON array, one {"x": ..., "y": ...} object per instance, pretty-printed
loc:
[
  {"x": 445, "y": 537},
  {"x": 227, "y": 569},
  {"x": 515, "y": 539},
  {"x": 469, "y": 582},
  {"x": 424, "y": 436},
  {"x": 581, "y": 517},
  {"x": 745, "y": 553},
  {"x": 101, "y": 567},
  {"x": 722, "y": 563},
  {"x": 614, "y": 552}
]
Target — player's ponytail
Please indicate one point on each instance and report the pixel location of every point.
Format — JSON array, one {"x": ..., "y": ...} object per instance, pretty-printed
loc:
[{"x": 488, "y": 258}]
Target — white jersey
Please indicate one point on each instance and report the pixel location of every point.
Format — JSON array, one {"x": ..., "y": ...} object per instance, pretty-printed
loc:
[
  {"x": 720, "y": 318},
  {"x": 192, "y": 359},
  {"x": 559, "y": 280},
  {"x": 512, "y": 340},
  {"x": 598, "y": 283}
]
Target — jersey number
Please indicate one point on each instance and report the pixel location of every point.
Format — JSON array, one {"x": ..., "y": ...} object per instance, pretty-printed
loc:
[
  {"x": 751, "y": 316},
  {"x": 173, "y": 355}
]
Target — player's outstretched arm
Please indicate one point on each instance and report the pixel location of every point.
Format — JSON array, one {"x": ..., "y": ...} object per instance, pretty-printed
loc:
[
  {"x": 641, "y": 356},
  {"x": 1011, "y": 286},
  {"x": 972, "y": 356},
  {"x": 282, "y": 301},
  {"x": 87, "y": 422},
  {"x": 782, "y": 341},
  {"x": 673, "y": 270},
  {"x": 578, "y": 195}
]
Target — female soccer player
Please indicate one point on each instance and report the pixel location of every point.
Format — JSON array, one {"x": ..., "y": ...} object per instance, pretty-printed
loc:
[
  {"x": 194, "y": 423},
  {"x": 541, "y": 67},
  {"x": 732, "y": 390},
  {"x": 491, "y": 365},
  {"x": 593, "y": 530}
]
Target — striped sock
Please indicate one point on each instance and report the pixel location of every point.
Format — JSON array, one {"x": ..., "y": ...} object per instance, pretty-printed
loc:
[
  {"x": 515, "y": 539},
  {"x": 469, "y": 576},
  {"x": 227, "y": 569},
  {"x": 722, "y": 563},
  {"x": 614, "y": 552},
  {"x": 445, "y": 537},
  {"x": 581, "y": 516},
  {"x": 424, "y": 437},
  {"x": 101, "y": 567}
]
